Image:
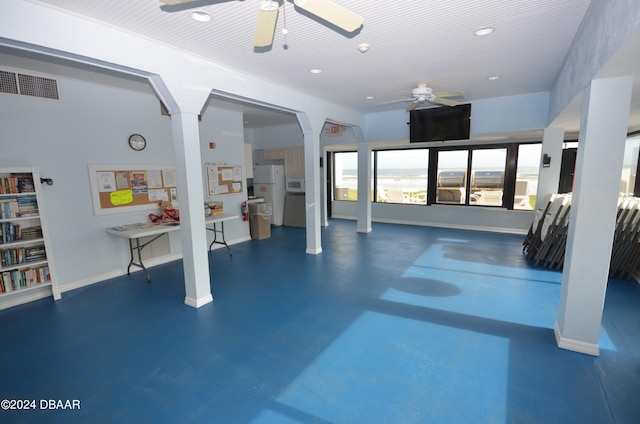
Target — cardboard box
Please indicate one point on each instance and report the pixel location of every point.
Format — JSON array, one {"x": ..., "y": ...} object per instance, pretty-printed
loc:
[{"x": 260, "y": 227}]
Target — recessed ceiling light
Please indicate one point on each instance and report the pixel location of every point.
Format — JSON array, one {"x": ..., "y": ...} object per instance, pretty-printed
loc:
[
  {"x": 493, "y": 78},
  {"x": 484, "y": 31},
  {"x": 315, "y": 70},
  {"x": 369, "y": 97},
  {"x": 200, "y": 16}
]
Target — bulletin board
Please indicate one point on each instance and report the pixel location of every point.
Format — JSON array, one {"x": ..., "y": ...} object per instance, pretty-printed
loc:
[
  {"x": 128, "y": 188},
  {"x": 223, "y": 179}
]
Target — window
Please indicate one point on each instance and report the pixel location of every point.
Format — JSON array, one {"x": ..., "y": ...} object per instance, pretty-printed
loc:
[
  {"x": 487, "y": 177},
  {"x": 452, "y": 176},
  {"x": 472, "y": 177},
  {"x": 401, "y": 176},
  {"x": 630, "y": 166},
  {"x": 493, "y": 176},
  {"x": 345, "y": 176},
  {"x": 527, "y": 173}
]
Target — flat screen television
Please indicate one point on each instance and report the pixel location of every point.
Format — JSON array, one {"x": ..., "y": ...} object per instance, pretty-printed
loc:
[{"x": 440, "y": 123}]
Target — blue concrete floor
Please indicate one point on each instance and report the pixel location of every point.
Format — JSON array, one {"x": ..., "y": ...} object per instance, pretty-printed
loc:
[{"x": 401, "y": 325}]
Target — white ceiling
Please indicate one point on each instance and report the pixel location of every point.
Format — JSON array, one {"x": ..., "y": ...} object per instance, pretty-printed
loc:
[{"x": 411, "y": 41}]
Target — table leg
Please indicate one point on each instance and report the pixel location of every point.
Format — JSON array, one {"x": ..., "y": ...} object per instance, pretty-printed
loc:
[
  {"x": 138, "y": 248},
  {"x": 215, "y": 237},
  {"x": 131, "y": 248}
]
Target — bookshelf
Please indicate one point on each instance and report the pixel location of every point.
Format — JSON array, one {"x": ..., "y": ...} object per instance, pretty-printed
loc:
[{"x": 26, "y": 270}]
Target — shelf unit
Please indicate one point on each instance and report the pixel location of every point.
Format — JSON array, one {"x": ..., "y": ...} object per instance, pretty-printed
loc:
[{"x": 27, "y": 272}]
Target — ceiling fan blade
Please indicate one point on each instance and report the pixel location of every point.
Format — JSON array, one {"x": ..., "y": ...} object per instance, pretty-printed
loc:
[
  {"x": 446, "y": 102},
  {"x": 413, "y": 105},
  {"x": 266, "y": 24},
  {"x": 332, "y": 13},
  {"x": 393, "y": 102},
  {"x": 450, "y": 94}
]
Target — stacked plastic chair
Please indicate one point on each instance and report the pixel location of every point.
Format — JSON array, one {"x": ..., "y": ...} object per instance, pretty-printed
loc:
[
  {"x": 625, "y": 253},
  {"x": 546, "y": 241}
]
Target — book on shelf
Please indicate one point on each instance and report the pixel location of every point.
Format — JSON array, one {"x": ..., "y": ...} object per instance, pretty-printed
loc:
[
  {"x": 22, "y": 255},
  {"x": 11, "y": 281},
  {"x": 27, "y": 206},
  {"x": 25, "y": 183},
  {"x": 17, "y": 183},
  {"x": 8, "y": 207},
  {"x": 10, "y": 232},
  {"x": 30, "y": 233},
  {"x": 18, "y": 207}
]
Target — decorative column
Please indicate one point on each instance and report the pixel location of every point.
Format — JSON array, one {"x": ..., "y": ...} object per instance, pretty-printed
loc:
[
  {"x": 603, "y": 133},
  {"x": 364, "y": 188}
]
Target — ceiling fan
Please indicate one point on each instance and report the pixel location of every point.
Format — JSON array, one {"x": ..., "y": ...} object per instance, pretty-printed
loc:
[
  {"x": 268, "y": 16},
  {"x": 424, "y": 94}
]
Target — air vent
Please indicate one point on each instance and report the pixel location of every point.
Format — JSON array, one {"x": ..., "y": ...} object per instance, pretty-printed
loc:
[
  {"x": 38, "y": 86},
  {"x": 28, "y": 85},
  {"x": 8, "y": 83}
]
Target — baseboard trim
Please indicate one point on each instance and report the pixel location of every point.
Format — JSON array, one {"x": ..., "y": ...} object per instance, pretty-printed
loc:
[
  {"x": 196, "y": 303},
  {"x": 310, "y": 251},
  {"x": 149, "y": 263},
  {"x": 438, "y": 225},
  {"x": 575, "y": 345},
  {"x": 22, "y": 298},
  {"x": 347, "y": 217},
  {"x": 453, "y": 226}
]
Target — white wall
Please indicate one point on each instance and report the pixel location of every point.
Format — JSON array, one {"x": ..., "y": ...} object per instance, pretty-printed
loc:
[
  {"x": 225, "y": 129},
  {"x": 463, "y": 217},
  {"x": 90, "y": 124},
  {"x": 510, "y": 114},
  {"x": 277, "y": 136},
  {"x": 490, "y": 116}
]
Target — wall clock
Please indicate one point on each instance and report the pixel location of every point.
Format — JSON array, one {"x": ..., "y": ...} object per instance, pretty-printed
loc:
[{"x": 137, "y": 142}]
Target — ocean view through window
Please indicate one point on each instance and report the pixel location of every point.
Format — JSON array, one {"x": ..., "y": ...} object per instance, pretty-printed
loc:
[{"x": 469, "y": 175}]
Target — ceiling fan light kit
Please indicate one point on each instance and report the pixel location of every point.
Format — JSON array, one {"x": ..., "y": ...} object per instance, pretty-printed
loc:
[{"x": 424, "y": 94}]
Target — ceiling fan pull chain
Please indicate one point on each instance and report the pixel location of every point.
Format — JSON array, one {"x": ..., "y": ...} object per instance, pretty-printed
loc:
[{"x": 285, "y": 31}]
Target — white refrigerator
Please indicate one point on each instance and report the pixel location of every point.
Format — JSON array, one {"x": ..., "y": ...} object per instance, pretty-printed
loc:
[{"x": 268, "y": 182}]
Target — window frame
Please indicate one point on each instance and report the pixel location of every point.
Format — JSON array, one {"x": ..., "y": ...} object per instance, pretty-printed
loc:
[
  {"x": 333, "y": 175},
  {"x": 375, "y": 171},
  {"x": 510, "y": 169},
  {"x": 510, "y": 172}
]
